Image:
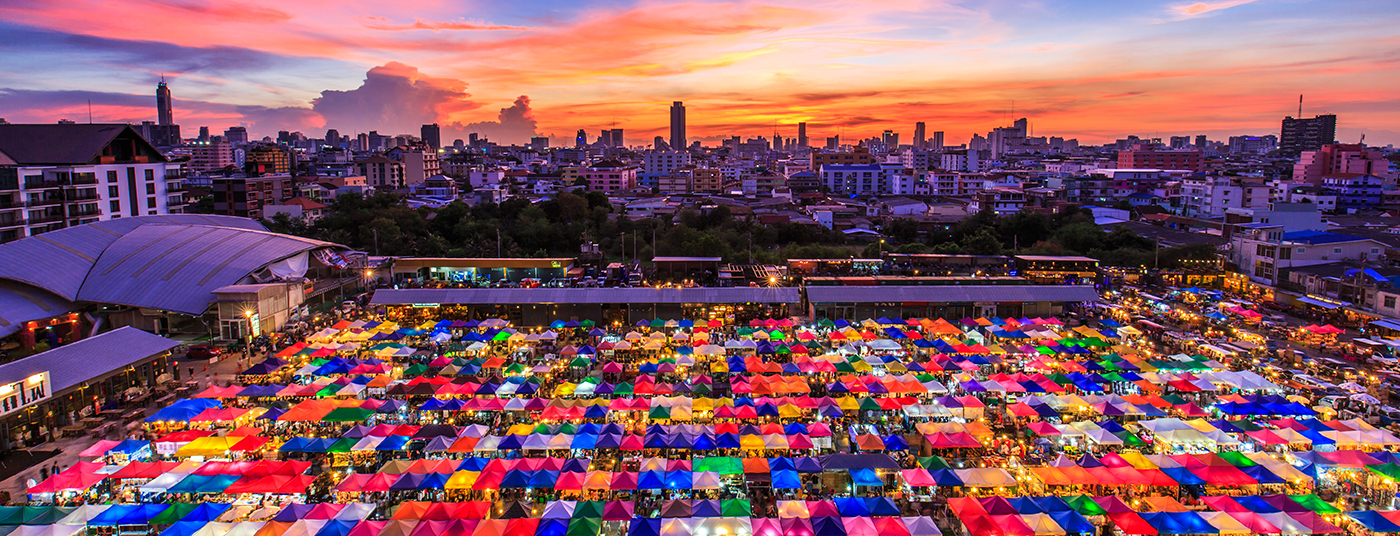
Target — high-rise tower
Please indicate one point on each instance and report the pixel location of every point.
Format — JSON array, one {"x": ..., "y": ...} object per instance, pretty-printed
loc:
[
  {"x": 164, "y": 112},
  {"x": 677, "y": 126}
]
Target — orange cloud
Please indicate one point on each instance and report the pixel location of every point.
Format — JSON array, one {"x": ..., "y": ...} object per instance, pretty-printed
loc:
[
  {"x": 383, "y": 23},
  {"x": 1201, "y": 8}
]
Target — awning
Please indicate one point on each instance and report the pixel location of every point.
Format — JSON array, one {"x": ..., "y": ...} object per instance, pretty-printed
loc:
[
  {"x": 1387, "y": 324},
  {"x": 1319, "y": 303}
]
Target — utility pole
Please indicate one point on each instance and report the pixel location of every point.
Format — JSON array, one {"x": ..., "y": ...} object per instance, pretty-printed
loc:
[
  {"x": 498, "y": 243},
  {"x": 376, "y": 242}
]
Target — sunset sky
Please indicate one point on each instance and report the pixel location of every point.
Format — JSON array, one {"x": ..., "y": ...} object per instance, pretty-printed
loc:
[{"x": 1092, "y": 70}]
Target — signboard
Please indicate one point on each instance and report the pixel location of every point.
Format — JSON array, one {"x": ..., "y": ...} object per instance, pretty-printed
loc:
[
  {"x": 422, "y": 305},
  {"x": 255, "y": 325},
  {"x": 20, "y": 394}
]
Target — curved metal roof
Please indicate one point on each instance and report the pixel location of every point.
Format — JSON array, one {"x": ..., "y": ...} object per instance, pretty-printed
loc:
[
  {"x": 58, "y": 261},
  {"x": 176, "y": 267},
  {"x": 168, "y": 262},
  {"x": 20, "y": 303}
]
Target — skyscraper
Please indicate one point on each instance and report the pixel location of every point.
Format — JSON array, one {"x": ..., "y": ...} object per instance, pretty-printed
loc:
[
  {"x": 919, "y": 135},
  {"x": 802, "y": 134},
  {"x": 678, "y": 126},
  {"x": 165, "y": 114},
  {"x": 332, "y": 137},
  {"x": 1300, "y": 135},
  {"x": 614, "y": 137},
  {"x": 936, "y": 142},
  {"x": 432, "y": 135},
  {"x": 580, "y": 139},
  {"x": 203, "y": 133}
]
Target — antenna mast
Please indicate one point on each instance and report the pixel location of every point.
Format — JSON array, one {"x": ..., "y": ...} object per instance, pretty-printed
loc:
[{"x": 1300, "y": 106}]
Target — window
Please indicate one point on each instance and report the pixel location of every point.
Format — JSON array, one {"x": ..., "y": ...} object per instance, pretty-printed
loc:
[
  {"x": 150, "y": 175},
  {"x": 1389, "y": 302},
  {"x": 1375, "y": 250},
  {"x": 1336, "y": 250},
  {"x": 150, "y": 189},
  {"x": 113, "y": 192},
  {"x": 115, "y": 207},
  {"x": 150, "y": 202},
  {"x": 111, "y": 176}
]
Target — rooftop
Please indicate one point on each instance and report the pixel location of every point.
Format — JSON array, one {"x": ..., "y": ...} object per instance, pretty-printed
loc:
[
  {"x": 1319, "y": 237},
  {"x": 89, "y": 358}
]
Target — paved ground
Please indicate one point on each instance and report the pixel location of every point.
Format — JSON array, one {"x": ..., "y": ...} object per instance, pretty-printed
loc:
[{"x": 68, "y": 448}]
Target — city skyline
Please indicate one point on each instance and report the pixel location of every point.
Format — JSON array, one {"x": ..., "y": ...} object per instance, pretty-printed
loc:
[{"x": 1093, "y": 72}]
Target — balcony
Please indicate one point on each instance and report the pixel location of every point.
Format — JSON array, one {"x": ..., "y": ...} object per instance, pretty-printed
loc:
[
  {"x": 13, "y": 222},
  {"x": 46, "y": 218},
  {"x": 82, "y": 179},
  {"x": 85, "y": 197},
  {"x": 44, "y": 202},
  {"x": 75, "y": 213},
  {"x": 10, "y": 205},
  {"x": 175, "y": 188},
  {"x": 37, "y": 183}
]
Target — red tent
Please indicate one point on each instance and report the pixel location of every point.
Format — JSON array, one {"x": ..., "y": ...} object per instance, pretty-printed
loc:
[{"x": 1131, "y": 523}]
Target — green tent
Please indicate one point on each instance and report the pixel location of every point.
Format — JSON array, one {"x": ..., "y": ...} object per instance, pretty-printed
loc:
[
  {"x": 417, "y": 369},
  {"x": 501, "y": 337},
  {"x": 776, "y": 335},
  {"x": 1315, "y": 503},
  {"x": 586, "y": 323},
  {"x": 844, "y": 367},
  {"x": 1044, "y": 350},
  {"x": 342, "y": 445},
  {"x": 1237, "y": 459},
  {"x": 1246, "y": 425},
  {"x": 1388, "y": 470},
  {"x": 659, "y": 412},
  {"x": 580, "y": 362},
  {"x": 174, "y": 513},
  {"x": 826, "y": 323},
  {"x": 11, "y": 515},
  {"x": 1129, "y": 438},
  {"x": 330, "y": 390},
  {"x": 622, "y": 389},
  {"x": 742, "y": 332},
  {"x": 720, "y": 464},
  {"x": 584, "y": 526},
  {"x": 1112, "y": 376},
  {"x": 588, "y": 510},
  {"x": 515, "y": 368},
  {"x": 782, "y": 349},
  {"x": 736, "y": 508},
  {"x": 700, "y": 389},
  {"x": 348, "y": 415},
  {"x": 658, "y": 323},
  {"x": 1085, "y": 505},
  {"x": 869, "y": 404},
  {"x": 933, "y": 462}
]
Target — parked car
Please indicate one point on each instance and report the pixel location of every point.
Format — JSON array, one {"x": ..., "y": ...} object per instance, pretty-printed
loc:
[{"x": 203, "y": 351}]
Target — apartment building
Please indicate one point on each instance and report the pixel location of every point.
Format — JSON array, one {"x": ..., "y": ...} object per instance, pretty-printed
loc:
[{"x": 61, "y": 175}]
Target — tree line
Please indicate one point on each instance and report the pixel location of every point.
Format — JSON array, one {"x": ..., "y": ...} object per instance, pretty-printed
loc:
[{"x": 382, "y": 224}]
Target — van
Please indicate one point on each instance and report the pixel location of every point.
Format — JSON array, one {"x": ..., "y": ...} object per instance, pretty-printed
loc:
[{"x": 347, "y": 307}]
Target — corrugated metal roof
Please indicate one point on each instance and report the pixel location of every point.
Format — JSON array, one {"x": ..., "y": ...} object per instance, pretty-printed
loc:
[
  {"x": 953, "y": 294},
  {"x": 58, "y": 261},
  {"x": 20, "y": 303},
  {"x": 177, "y": 267},
  {"x": 478, "y": 296},
  {"x": 94, "y": 357}
]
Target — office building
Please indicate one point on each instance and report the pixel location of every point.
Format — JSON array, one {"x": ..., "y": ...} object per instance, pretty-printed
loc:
[
  {"x": 581, "y": 139},
  {"x": 802, "y": 134},
  {"x": 1340, "y": 158},
  {"x": 678, "y": 126},
  {"x": 1300, "y": 135},
  {"x": 919, "y": 135},
  {"x": 936, "y": 142},
  {"x": 203, "y": 133},
  {"x": 1148, "y": 159},
  {"x": 210, "y": 156},
  {"x": 237, "y": 135},
  {"x": 432, "y": 135}
]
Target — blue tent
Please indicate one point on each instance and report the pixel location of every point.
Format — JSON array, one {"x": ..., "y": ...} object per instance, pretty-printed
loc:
[
  {"x": 865, "y": 477},
  {"x": 641, "y": 526},
  {"x": 337, "y": 527},
  {"x": 1373, "y": 521},
  {"x": 1073, "y": 522}
]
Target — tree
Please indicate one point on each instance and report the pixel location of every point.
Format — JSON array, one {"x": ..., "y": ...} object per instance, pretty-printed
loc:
[
  {"x": 1080, "y": 237},
  {"x": 983, "y": 242}
]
